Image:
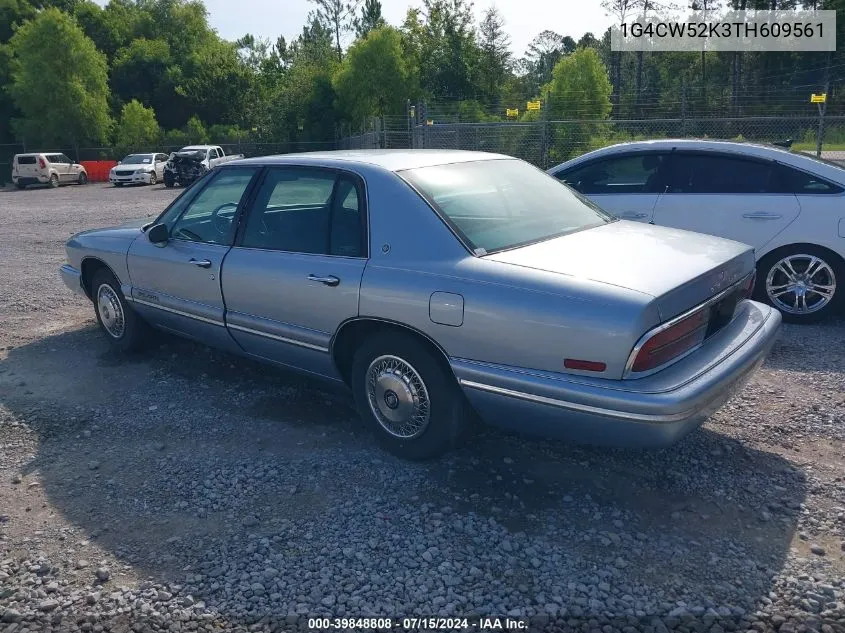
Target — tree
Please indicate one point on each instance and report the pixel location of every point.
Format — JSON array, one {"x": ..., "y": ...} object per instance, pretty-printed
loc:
[
  {"x": 59, "y": 82},
  {"x": 337, "y": 16},
  {"x": 137, "y": 128},
  {"x": 495, "y": 58},
  {"x": 195, "y": 131},
  {"x": 543, "y": 53},
  {"x": 619, "y": 9},
  {"x": 448, "y": 49},
  {"x": 374, "y": 78},
  {"x": 146, "y": 71},
  {"x": 371, "y": 18},
  {"x": 579, "y": 90}
]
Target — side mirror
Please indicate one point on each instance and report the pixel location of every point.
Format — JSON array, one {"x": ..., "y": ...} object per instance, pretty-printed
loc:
[{"x": 158, "y": 234}]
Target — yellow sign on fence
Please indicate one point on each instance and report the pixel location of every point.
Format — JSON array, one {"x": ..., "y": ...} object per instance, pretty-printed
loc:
[
  {"x": 814, "y": 98},
  {"x": 513, "y": 112},
  {"x": 534, "y": 105}
]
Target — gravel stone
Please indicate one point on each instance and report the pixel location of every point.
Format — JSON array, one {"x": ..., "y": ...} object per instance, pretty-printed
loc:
[{"x": 248, "y": 499}]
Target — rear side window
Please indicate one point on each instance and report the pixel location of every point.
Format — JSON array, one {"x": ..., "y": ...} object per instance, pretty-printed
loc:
[
  {"x": 26, "y": 160},
  {"x": 717, "y": 173},
  {"x": 795, "y": 181}
]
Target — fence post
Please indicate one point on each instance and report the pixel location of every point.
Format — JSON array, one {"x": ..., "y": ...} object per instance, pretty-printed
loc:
[
  {"x": 683, "y": 108},
  {"x": 823, "y": 109}
]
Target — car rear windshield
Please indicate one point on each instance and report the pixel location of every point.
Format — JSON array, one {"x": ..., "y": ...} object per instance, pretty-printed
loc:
[
  {"x": 137, "y": 159},
  {"x": 26, "y": 160},
  {"x": 495, "y": 205}
]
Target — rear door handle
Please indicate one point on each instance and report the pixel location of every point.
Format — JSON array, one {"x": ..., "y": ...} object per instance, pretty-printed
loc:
[
  {"x": 634, "y": 216},
  {"x": 762, "y": 215},
  {"x": 202, "y": 263},
  {"x": 330, "y": 280}
]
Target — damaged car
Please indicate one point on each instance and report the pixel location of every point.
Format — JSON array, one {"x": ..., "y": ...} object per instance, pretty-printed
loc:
[{"x": 191, "y": 162}]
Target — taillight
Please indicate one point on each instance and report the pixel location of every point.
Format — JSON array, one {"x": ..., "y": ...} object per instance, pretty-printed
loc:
[
  {"x": 41, "y": 163},
  {"x": 673, "y": 341}
]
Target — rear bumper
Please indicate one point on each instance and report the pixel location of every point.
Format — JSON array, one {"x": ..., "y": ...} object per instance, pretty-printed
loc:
[
  {"x": 30, "y": 180},
  {"x": 73, "y": 279},
  {"x": 649, "y": 412}
]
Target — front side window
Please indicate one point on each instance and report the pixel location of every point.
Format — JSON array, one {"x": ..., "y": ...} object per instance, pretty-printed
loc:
[
  {"x": 209, "y": 217},
  {"x": 718, "y": 174},
  {"x": 54, "y": 158},
  {"x": 495, "y": 205},
  {"x": 310, "y": 211},
  {"x": 632, "y": 173}
]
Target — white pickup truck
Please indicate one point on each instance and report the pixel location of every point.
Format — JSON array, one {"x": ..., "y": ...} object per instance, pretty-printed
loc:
[{"x": 191, "y": 162}]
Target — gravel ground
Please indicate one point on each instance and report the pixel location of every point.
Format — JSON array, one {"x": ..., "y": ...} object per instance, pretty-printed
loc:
[{"x": 184, "y": 489}]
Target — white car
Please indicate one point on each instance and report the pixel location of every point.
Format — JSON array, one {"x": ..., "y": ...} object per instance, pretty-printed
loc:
[
  {"x": 790, "y": 207},
  {"x": 46, "y": 168},
  {"x": 138, "y": 169}
]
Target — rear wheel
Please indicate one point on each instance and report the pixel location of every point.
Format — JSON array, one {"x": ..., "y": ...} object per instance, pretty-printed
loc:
[
  {"x": 408, "y": 397},
  {"x": 54, "y": 181},
  {"x": 803, "y": 282},
  {"x": 123, "y": 328},
  {"x": 83, "y": 178}
]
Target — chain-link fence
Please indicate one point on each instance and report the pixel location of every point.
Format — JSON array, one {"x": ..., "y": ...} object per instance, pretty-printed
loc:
[{"x": 546, "y": 143}]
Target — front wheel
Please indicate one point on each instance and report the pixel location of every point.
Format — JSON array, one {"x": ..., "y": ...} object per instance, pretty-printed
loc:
[
  {"x": 153, "y": 179},
  {"x": 123, "y": 328},
  {"x": 408, "y": 397},
  {"x": 169, "y": 181},
  {"x": 802, "y": 282},
  {"x": 20, "y": 185},
  {"x": 83, "y": 178}
]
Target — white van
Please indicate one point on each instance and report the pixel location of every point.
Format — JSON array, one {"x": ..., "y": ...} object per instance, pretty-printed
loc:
[{"x": 46, "y": 168}]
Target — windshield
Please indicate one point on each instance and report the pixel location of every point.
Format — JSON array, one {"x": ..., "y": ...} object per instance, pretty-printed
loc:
[
  {"x": 137, "y": 159},
  {"x": 494, "y": 205}
]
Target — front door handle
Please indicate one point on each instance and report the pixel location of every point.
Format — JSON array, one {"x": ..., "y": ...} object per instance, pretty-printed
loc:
[
  {"x": 762, "y": 215},
  {"x": 202, "y": 263},
  {"x": 330, "y": 280}
]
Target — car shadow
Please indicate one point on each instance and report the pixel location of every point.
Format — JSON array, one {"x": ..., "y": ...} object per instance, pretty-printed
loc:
[
  {"x": 797, "y": 349},
  {"x": 166, "y": 457}
]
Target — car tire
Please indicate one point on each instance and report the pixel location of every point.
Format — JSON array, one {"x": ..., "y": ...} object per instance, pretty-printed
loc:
[
  {"x": 118, "y": 184},
  {"x": 169, "y": 182},
  {"x": 396, "y": 375},
  {"x": 83, "y": 178},
  {"x": 20, "y": 185},
  {"x": 54, "y": 181},
  {"x": 153, "y": 179},
  {"x": 789, "y": 279},
  {"x": 124, "y": 329}
]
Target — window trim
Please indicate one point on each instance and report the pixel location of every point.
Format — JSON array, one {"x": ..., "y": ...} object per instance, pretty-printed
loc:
[
  {"x": 214, "y": 175},
  {"x": 614, "y": 156},
  {"x": 361, "y": 187}
]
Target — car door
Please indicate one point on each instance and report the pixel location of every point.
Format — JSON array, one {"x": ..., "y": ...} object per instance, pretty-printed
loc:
[
  {"x": 212, "y": 158},
  {"x": 176, "y": 286},
  {"x": 73, "y": 168},
  {"x": 726, "y": 195},
  {"x": 59, "y": 165},
  {"x": 625, "y": 184},
  {"x": 294, "y": 273}
]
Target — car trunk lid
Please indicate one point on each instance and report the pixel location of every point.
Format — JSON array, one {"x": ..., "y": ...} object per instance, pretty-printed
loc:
[{"x": 679, "y": 268}]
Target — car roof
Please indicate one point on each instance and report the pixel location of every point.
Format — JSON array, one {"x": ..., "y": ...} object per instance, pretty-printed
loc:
[
  {"x": 389, "y": 159},
  {"x": 758, "y": 150},
  {"x": 187, "y": 147}
]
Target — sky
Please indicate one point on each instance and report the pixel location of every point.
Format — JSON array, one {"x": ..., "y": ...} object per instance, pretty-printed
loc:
[{"x": 524, "y": 19}]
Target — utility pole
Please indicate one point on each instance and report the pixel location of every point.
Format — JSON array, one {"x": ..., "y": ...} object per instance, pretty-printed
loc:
[{"x": 823, "y": 108}]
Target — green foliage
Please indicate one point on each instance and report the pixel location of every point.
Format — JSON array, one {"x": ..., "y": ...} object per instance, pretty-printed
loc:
[
  {"x": 370, "y": 19},
  {"x": 137, "y": 128},
  {"x": 374, "y": 78},
  {"x": 59, "y": 82},
  {"x": 195, "y": 131}
]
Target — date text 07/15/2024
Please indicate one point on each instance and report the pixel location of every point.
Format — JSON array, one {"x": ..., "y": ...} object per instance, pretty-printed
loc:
[{"x": 487, "y": 623}]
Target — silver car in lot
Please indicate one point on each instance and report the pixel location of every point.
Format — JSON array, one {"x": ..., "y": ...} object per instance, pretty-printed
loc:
[{"x": 438, "y": 283}]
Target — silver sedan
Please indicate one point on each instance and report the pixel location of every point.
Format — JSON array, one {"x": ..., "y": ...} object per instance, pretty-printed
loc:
[{"x": 435, "y": 283}]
